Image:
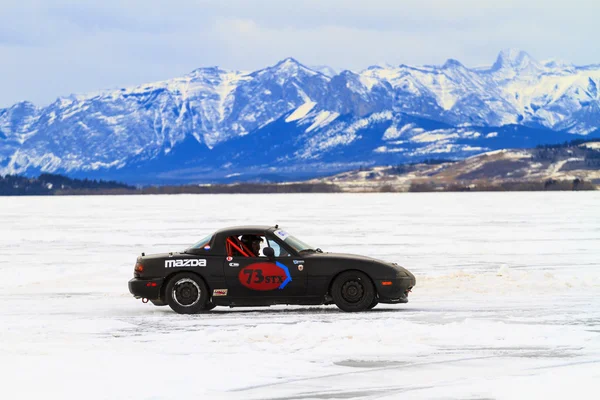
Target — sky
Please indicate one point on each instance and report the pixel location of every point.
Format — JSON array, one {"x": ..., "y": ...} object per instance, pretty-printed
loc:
[{"x": 52, "y": 48}]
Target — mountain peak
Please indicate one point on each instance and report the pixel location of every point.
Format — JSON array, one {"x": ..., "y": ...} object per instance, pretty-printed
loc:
[
  {"x": 556, "y": 63},
  {"x": 289, "y": 60},
  {"x": 514, "y": 59},
  {"x": 288, "y": 63},
  {"x": 452, "y": 63},
  {"x": 325, "y": 70},
  {"x": 206, "y": 71},
  {"x": 288, "y": 67},
  {"x": 23, "y": 105}
]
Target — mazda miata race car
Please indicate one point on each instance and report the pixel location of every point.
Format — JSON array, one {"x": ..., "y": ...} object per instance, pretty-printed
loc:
[{"x": 263, "y": 266}]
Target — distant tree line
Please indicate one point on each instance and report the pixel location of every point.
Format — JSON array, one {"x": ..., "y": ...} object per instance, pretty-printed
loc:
[
  {"x": 570, "y": 143},
  {"x": 244, "y": 188},
  {"x": 412, "y": 166},
  {"x": 236, "y": 188},
  {"x": 522, "y": 186},
  {"x": 558, "y": 152},
  {"x": 50, "y": 184}
]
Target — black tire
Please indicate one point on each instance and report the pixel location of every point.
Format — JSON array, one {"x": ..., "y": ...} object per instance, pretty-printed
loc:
[
  {"x": 373, "y": 303},
  {"x": 186, "y": 293},
  {"x": 353, "y": 291}
]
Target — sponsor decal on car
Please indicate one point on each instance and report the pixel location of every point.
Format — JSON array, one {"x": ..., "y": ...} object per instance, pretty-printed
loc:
[
  {"x": 220, "y": 292},
  {"x": 281, "y": 234},
  {"x": 300, "y": 267},
  {"x": 265, "y": 276},
  {"x": 298, "y": 262},
  {"x": 229, "y": 258},
  {"x": 190, "y": 262},
  {"x": 234, "y": 264}
]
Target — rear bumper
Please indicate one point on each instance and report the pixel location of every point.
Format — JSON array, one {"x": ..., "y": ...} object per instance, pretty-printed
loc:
[
  {"x": 397, "y": 291},
  {"x": 145, "y": 288}
]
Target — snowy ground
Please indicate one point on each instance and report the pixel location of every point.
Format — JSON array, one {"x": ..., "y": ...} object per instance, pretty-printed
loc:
[{"x": 506, "y": 304}]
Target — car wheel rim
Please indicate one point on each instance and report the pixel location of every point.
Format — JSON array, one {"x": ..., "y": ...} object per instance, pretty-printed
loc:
[
  {"x": 352, "y": 291},
  {"x": 186, "y": 292}
]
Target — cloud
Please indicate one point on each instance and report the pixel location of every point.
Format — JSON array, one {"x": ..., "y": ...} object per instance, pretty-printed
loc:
[{"x": 56, "y": 47}]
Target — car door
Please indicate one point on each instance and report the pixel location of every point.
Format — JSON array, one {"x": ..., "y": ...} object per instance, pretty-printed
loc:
[{"x": 248, "y": 275}]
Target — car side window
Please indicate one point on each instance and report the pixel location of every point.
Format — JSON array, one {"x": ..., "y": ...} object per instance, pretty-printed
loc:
[
  {"x": 279, "y": 251},
  {"x": 250, "y": 246}
]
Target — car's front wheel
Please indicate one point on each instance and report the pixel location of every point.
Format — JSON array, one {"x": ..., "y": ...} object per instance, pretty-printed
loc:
[
  {"x": 186, "y": 293},
  {"x": 374, "y": 302},
  {"x": 353, "y": 291}
]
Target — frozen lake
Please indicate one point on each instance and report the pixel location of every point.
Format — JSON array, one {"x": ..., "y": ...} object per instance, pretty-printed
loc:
[{"x": 506, "y": 304}]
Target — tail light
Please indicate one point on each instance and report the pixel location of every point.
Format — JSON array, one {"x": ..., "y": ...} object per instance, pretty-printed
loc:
[{"x": 139, "y": 268}]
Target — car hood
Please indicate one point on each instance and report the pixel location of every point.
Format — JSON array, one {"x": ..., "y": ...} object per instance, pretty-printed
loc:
[
  {"x": 356, "y": 257},
  {"x": 343, "y": 256}
]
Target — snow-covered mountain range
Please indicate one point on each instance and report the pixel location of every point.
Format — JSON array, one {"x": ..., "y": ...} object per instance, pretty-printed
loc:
[{"x": 288, "y": 121}]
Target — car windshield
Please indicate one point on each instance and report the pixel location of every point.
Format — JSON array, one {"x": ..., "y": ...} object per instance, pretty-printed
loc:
[
  {"x": 202, "y": 244},
  {"x": 293, "y": 242}
]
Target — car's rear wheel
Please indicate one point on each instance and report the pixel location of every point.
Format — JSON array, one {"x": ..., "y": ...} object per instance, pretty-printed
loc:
[
  {"x": 353, "y": 291},
  {"x": 186, "y": 293}
]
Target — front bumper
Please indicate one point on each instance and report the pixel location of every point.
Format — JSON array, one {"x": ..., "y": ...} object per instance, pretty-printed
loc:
[
  {"x": 397, "y": 291},
  {"x": 146, "y": 288}
]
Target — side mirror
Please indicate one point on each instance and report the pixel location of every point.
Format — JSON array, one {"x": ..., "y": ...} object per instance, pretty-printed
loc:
[{"x": 269, "y": 252}]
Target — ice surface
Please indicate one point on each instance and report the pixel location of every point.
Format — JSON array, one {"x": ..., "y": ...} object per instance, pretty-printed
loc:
[{"x": 506, "y": 303}]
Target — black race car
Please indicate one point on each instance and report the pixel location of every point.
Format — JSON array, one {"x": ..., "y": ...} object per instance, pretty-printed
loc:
[{"x": 263, "y": 266}]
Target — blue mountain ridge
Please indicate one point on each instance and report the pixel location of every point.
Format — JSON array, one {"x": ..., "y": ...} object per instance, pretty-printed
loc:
[
  {"x": 290, "y": 122},
  {"x": 267, "y": 154}
]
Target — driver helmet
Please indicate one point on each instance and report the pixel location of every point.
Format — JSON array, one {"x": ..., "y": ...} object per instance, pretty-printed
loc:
[{"x": 249, "y": 239}]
